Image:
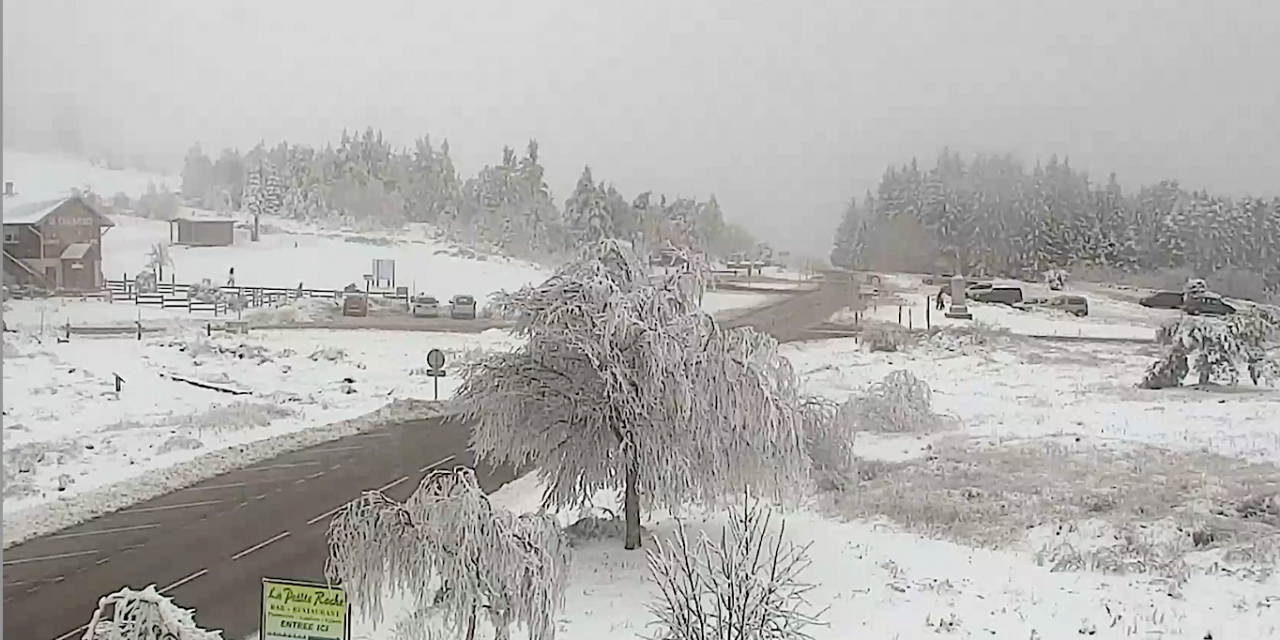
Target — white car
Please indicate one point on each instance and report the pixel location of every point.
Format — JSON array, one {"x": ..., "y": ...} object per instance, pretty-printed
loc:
[{"x": 426, "y": 307}]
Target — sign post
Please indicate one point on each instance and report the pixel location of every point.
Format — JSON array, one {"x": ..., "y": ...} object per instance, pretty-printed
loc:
[
  {"x": 293, "y": 610},
  {"x": 435, "y": 362}
]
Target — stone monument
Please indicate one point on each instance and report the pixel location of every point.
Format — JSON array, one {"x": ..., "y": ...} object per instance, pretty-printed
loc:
[{"x": 958, "y": 309}]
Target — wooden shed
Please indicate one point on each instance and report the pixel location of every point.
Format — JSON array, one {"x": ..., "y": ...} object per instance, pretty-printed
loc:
[{"x": 203, "y": 232}]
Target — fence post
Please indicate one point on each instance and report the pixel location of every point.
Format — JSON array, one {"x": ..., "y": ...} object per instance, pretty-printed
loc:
[
  {"x": 928, "y": 315},
  {"x": 910, "y": 324},
  {"x": 899, "y": 314}
]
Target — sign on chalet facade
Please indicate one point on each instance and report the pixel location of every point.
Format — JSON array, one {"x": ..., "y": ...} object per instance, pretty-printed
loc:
[{"x": 54, "y": 244}]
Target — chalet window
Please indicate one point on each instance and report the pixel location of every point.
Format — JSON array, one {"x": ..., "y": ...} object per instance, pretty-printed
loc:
[{"x": 11, "y": 236}]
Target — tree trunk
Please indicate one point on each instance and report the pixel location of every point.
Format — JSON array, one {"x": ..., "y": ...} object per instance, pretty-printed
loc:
[
  {"x": 471, "y": 625},
  {"x": 255, "y": 228},
  {"x": 631, "y": 506}
]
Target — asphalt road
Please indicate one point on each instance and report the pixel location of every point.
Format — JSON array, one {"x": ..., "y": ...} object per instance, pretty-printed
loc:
[{"x": 209, "y": 546}]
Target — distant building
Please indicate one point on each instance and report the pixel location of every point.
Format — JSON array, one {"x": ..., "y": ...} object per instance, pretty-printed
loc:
[
  {"x": 54, "y": 244},
  {"x": 202, "y": 232}
]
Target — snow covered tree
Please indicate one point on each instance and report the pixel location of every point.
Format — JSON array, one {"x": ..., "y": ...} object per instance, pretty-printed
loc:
[
  {"x": 585, "y": 215},
  {"x": 1215, "y": 348},
  {"x": 842, "y": 254},
  {"x": 143, "y": 615},
  {"x": 157, "y": 259},
  {"x": 457, "y": 554},
  {"x": 197, "y": 176},
  {"x": 625, "y": 384}
]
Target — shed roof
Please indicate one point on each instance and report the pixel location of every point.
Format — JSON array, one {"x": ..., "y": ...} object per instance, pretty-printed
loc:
[
  {"x": 230, "y": 221},
  {"x": 75, "y": 251}
]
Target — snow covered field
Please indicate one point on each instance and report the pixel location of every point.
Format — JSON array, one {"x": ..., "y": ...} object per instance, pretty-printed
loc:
[
  {"x": 1015, "y": 524},
  {"x": 67, "y": 431}
]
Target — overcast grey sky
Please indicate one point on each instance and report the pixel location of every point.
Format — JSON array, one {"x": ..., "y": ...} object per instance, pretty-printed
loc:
[{"x": 782, "y": 109}]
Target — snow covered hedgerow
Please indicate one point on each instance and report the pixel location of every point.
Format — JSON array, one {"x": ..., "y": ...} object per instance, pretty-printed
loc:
[
  {"x": 1215, "y": 348},
  {"x": 744, "y": 586},
  {"x": 623, "y": 384},
  {"x": 456, "y": 554},
  {"x": 143, "y": 615}
]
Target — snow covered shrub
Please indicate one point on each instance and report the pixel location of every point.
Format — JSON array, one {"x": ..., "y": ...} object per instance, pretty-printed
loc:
[
  {"x": 900, "y": 403},
  {"x": 885, "y": 337},
  {"x": 1215, "y": 348},
  {"x": 627, "y": 384},
  {"x": 1056, "y": 278},
  {"x": 456, "y": 554},
  {"x": 744, "y": 586},
  {"x": 143, "y": 615}
]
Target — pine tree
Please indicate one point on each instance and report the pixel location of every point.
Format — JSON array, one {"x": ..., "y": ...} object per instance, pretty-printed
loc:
[{"x": 843, "y": 253}]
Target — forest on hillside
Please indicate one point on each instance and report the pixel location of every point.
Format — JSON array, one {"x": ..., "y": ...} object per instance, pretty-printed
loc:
[
  {"x": 508, "y": 206},
  {"x": 991, "y": 216}
]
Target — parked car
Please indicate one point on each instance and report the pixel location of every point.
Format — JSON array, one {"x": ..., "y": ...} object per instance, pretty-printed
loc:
[
  {"x": 463, "y": 307},
  {"x": 1076, "y": 305},
  {"x": 425, "y": 307},
  {"x": 976, "y": 287},
  {"x": 1163, "y": 300},
  {"x": 1209, "y": 304},
  {"x": 355, "y": 305},
  {"x": 998, "y": 295}
]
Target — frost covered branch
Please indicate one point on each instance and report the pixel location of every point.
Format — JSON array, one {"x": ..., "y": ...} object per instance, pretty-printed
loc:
[
  {"x": 627, "y": 384},
  {"x": 744, "y": 586},
  {"x": 143, "y": 615},
  {"x": 455, "y": 553}
]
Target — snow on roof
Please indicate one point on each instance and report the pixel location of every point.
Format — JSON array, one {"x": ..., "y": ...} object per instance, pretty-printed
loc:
[
  {"x": 75, "y": 251},
  {"x": 30, "y": 212}
]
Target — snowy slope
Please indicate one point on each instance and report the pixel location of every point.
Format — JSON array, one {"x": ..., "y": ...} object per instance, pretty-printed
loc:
[{"x": 39, "y": 177}]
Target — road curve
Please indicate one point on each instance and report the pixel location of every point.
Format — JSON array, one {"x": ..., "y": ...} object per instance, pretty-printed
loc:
[{"x": 209, "y": 545}]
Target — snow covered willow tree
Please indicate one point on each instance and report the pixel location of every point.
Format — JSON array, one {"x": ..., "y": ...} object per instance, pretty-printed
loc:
[
  {"x": 456, "y": 554},
  {"x": 1216, "y": 349},
  {"x": 627, "y": 384}
]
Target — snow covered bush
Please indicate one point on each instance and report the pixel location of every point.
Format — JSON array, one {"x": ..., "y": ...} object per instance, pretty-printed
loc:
[
  {"x": 744, "y": 586},
  {"x": 1056, "y": 278},
  {"x": 456, "y": 554},
  {"x": 626, "y": 384},
  {"x": 885, "y": 336},
  {"x": 143, "y": 615},
  {"x": 900, "y": 403},
  {"x": 1215, "y": 348}
]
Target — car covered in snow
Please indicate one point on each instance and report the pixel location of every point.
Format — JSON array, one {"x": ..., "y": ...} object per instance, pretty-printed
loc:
[
  {"x": 425, "y": 306},
  {"x": 997, "y": 295},
  {"x": 462, "y": 307},
  {"x": 1163, "y": 300},
  {"x": 355, "y": 304},
  {"x": 1206, "y": 303}
]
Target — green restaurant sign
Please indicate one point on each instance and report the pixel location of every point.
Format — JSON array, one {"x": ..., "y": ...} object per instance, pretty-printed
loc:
[{"x": 294, "y": 610}]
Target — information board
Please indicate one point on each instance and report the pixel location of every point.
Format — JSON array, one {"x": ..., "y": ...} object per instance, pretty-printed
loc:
[{"x": 294, "y": 610}]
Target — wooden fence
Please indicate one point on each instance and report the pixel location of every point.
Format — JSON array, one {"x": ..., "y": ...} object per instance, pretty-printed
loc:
[{"x": 171, "y": 295}]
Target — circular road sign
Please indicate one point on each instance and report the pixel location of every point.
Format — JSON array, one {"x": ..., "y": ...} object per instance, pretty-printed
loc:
[{"x": 435, "y": 359}]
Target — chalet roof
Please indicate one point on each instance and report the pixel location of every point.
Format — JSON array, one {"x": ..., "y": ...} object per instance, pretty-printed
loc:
[
  {"x": 35, "y": 212},
  {"x": 30, "y": 212}
]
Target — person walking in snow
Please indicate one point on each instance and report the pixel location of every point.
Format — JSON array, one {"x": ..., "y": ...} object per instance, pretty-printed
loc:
[
  {"x": 941, "y": 304},
  {"x": 231, "y": 277}
]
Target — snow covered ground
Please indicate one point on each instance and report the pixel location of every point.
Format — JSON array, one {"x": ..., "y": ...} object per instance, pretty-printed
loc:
[
  {"x": 1009, "y": 525},
  {"x": 67, "y": 431}
]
